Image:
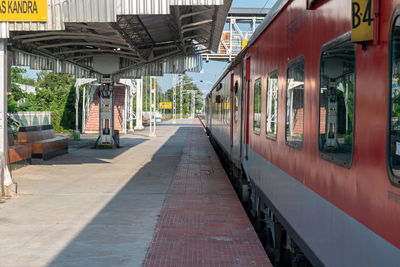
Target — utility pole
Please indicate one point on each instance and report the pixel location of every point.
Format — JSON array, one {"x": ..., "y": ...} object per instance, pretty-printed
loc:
[
  {"x": 153, "y": 101},
  {"x": 174, "y": 99},
  {"x": 181, "y": 95}
]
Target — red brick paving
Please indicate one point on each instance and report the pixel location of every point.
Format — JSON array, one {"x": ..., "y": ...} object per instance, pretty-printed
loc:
[{"x": 202, "y": 222}]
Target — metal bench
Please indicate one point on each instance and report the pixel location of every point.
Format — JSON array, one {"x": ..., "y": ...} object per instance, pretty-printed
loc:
[
  {"x": 18, "y": 155},
  {"x": 45, "y": 144}
]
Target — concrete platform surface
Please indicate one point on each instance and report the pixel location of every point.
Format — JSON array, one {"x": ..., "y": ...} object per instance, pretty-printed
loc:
[{"x": 104, "y": 207}]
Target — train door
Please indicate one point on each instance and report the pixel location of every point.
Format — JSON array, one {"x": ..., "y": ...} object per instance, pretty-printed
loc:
[
  {"x": 208, "y": 110},
  {"x": 232, "y": 106},
  {"x": 247, "y": 108}
]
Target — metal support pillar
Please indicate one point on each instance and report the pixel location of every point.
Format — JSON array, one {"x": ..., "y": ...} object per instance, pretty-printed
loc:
[
  {"x": 131, "y": 93},
  {"x": 4, "y": 178},
  {"x": 174, "y": 100},
  {"x": 153, "y": 88},
  {"x": 84, "y": 109},
  {"x": 126, "y": 103},
  {"x": 106, "y": 114},
  {"x": 139, "y": 104},
  {"x": 77, "y": 110},
  {"x": 181, "y": 95},
  {"x": 85, "y": 102}
]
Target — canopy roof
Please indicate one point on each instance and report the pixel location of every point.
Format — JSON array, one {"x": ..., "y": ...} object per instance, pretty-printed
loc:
[{"x": 135, "y": 37}]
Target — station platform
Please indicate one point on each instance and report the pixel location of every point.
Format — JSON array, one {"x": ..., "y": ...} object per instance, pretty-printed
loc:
[{"x": 160, "y": 201}]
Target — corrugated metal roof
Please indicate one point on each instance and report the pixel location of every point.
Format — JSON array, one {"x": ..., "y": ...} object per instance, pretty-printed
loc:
[
  {"x": 136, "y": 31},
  {"x": 177, "y": 64},
  {"x": 62, "y": 11}
]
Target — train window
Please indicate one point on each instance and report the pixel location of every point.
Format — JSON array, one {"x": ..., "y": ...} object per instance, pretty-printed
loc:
[
  {"x": 336, "y": 103},
  {"x": 257, "y": 107},
  {"x": 272, "y": 105},
  {"x": 394, "y": 121},
  {"x": 295, "y": 104}
]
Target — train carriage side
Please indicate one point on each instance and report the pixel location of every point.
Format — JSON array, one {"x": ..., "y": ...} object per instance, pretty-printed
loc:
[
  {"x": 221, "y": 114},
  {"x": 323, "y": 172},
  {"x": 323, "y": 155}
]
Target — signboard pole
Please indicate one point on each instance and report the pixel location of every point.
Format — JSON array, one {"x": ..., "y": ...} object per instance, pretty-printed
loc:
[
  {"x": 5, "y": 181},
  {"x": 181, "y": 95},
  {"x": 153, "y": 102},
  {"x": 174, "y": 100}
]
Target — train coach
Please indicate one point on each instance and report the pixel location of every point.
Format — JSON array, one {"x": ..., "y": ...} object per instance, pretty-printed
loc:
[{"x": 307, "y": 117}]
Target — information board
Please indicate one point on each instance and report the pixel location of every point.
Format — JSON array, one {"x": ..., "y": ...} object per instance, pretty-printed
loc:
[
  {"x": 23, "y": 10},
  {"x": 362, "y": 20},
  {"x": 165, "y": 105}
]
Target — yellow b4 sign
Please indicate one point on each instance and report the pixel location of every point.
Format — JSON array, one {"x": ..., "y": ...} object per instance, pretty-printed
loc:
[
  {"x": 362, "y": 20},
  {"x": 165, "y": 105},
  {"x": 23, "y": 10}
]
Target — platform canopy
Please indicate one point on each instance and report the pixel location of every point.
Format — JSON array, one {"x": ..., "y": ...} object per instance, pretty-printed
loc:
[{"x": 126, "y": 38}]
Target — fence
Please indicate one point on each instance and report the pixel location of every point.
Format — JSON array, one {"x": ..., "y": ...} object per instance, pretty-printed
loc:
[{"x": 32, "y": 118}]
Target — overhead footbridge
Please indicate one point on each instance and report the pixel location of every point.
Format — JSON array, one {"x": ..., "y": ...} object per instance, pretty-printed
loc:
[{"x": 108, "y": 40}]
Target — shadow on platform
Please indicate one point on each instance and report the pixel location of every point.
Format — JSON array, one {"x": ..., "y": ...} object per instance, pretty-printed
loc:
[
  {"x": 88, "y": 155},
  {"x": 121, "y": 233}
]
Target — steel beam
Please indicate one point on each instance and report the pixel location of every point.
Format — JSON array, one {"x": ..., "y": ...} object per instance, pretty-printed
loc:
[
  {"x": 197, "y": 23},
  {"x": 82, "y": 44},
  {"x": 75, "y": 37},
  {"x": 195, "y": 13},
  {"x": 128, "y": 39}
]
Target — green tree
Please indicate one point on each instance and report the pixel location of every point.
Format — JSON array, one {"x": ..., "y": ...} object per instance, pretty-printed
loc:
[{"x": 188, "y": 85}]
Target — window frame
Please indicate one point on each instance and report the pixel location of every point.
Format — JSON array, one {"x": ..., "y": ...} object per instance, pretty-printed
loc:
[
  {"x": 254, "y": 90},
  {"x": 289, "y": 65},
  {"x": 325, "y": 156},
  {"x": 268, "y": 135},
  {"x": 236, "y": 101},
  {"x": 394, "y": 180}
]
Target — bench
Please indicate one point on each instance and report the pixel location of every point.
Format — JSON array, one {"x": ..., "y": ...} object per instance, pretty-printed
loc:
[
  {"x": 45, "y": 144},
  {"x": 18, "y": 155}
]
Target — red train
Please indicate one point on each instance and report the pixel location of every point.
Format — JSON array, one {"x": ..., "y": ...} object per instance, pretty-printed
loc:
[{"x": 309, "y": 123}]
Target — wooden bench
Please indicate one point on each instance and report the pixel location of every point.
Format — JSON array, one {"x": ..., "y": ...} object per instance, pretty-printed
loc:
[
  {"x": 18, "y": 155},
  {"x": 45, "y": 144}
]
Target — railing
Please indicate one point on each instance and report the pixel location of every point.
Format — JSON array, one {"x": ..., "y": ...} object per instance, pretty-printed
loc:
[{"x": 32, "y": 118}]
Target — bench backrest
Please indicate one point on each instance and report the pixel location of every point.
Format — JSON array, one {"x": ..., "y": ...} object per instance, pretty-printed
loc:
[
  {"x": 10, "y": 137},
  {"x": 30, "y": 134}
]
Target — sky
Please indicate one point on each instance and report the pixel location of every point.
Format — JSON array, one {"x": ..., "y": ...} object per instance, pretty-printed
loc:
[{"x": 212, "y": 70}]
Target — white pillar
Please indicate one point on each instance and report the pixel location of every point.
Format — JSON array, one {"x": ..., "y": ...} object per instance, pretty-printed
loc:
[
  {"x": 3, "y": 115},
  {"x": 125, "y": 109},
  {"x": 153, "y": 106},
  {"x": 84, "y": 109},
  {"x": 174, "y": 100},
  {"x": 139, "y": 104},
  {"x": 181, "y": 95},
  {"x": 76, "y": 109},
  {"x": 131, "y": 108}
]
